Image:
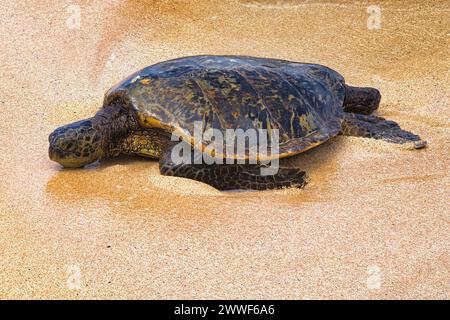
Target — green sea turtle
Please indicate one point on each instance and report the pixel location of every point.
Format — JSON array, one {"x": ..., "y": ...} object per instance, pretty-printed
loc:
[{"x": 306, "y": 104}]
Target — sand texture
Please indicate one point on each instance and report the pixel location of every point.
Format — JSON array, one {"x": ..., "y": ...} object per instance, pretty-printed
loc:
[{"x": 373, "y": 223}]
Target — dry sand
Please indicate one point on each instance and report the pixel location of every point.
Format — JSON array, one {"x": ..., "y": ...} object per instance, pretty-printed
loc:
[{"x": 373, "y": 223}]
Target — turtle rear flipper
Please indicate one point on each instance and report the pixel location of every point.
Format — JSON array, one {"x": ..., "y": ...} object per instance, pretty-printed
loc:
[
  {"x": 233, "y": 176},
  {"x": 367, "y": 126}
]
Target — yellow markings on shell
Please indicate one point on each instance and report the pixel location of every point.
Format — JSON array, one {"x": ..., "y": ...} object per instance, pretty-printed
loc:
[
  {"x": 190, "y": 95},
  {"x": 260, "y": 102},
  {"x": 304, "y": 123},
  {"x": 232, "y": 85},
  {"x": 229, "y": 80},
  {"x": 145, "y": 81},
  {"x": 292, "y": 123},
  {"x": 226, "y": 91},
  {"x": 312, "y": 121},
  {"x": 269, "y": 127},
  {"x": 307, "y": 122}
]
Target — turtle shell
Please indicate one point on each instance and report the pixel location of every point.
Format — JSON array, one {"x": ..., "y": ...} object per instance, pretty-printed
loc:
[{"x": 303, "y": 101}]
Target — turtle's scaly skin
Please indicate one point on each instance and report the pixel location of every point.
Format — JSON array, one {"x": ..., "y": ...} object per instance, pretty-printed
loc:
[{"x": 303, "y": 101}]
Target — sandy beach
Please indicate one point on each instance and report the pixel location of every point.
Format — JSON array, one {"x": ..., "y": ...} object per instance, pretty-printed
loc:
[{"x": 373, "y": 223}]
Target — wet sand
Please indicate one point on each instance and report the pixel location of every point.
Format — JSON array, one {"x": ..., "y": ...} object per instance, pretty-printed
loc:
[{"x": 373, "y": 222}]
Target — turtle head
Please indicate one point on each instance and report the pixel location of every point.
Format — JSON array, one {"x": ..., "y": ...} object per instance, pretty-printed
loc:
[{"x": 76, "y": 144}]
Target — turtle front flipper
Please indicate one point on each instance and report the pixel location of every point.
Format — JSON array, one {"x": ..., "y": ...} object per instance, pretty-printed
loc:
[
  {"x": 367, "y": 126},
  {"x": 233, "y": 176}
]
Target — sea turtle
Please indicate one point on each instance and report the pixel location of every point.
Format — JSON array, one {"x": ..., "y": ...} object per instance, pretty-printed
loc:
[{"x": 306, "y": 104}]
